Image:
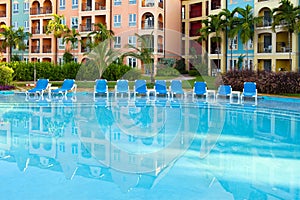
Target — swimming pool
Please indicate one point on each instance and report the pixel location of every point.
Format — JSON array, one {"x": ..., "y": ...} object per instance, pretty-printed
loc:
[{"x": 148, "y": 149}]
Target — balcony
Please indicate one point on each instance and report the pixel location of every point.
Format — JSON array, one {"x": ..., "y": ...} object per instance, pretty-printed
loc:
[
  {"x": 100, "y": 6},
  {"x": 147, "y": 24},
  {"x": 40, "y": 10},
  {"x": 86, "y": 27},
  {"x": 85, "y": 49},
  {"x": 2, "y": 50},
  {"x": 265, "y": 23},
  {"x": 2, "y": 13},
  {"x": 161, "y": 4},
  {"x": 160, "y": 25},
  {"x": 215, "y": 50},
  {"x": 47, "y": 49},
  {"x": 194, "y": 32},
  {"x": 160, "y": 48},
  {"x": 264, "y": 47},
  {"x": 35, "y": 30},
  {"x": 86, "y": 7},
  {"x": 35, "y": 49},
  {"x": 283, "y": 47}
]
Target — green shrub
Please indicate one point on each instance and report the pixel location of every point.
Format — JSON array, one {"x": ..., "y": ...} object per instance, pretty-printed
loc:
[
  {"x": 266, "y": 82},
  {"x": 132, "y": 75},
  {"x": 194, "y": 72},
  {"x": 115, "y": 71},
  {"x": 166, "y": 71},
  {"x": 5, "y": 74}
]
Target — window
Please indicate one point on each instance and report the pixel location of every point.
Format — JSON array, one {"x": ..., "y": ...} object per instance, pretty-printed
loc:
[
  {"x": 74, "y": 4},
  {"x": 132, "y": 40},
  {"x": 26, "y": 26},
  {"x": 62, "y": 4},
  {"x": 62, "y": 147},
  {"x": 132, "y": 1},
  {"x": 63, "y": 21},
  {"x": 74, "y": 22},
  {"x": 234, "y": 43},
  {"x": 74, "y": 149},
  {"x": 250, "y": 45},
  {"x": 117, "y": 21},
  {"x": 132, "y": 19},
  {"x": 61, "y": 44},
  {"x": 117, "y": 2},
  {"x": 26, "y": 6},
  {"x": 16, "y": 8},
  {"x": 131, "y": 62},
  {"x": 15, "y": 26},
  {"x": 117, "y": 43}
]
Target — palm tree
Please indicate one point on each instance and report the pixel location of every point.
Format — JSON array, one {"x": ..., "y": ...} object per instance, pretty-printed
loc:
[
  {"x": 100, "y": 34},
  {"x": 72, "y": 37},
  {"x": 214, "y": 24},
  {"x": 246, "y": 25},
  {"x": 22, "y": 36},
  {"x": 56, "y": 28},
  {"x": 288, "y": 15},
  {"x": 144, "y": 52},
  {"x": 101, "y": 57},
  {"x": 230, "y": 21}
]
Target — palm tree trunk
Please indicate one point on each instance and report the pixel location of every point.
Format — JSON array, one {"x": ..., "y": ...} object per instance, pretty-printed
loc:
[
  {"x": 290, "y": 53},
  {"x": 247, "y": 55},
  {"x": 232, "y": 67}
]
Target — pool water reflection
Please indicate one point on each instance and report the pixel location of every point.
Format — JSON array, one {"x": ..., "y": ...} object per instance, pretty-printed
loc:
[{"x": 148, "y": 149}]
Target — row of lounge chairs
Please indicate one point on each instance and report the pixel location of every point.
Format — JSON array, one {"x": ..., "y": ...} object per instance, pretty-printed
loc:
[{"x": 140, "y": 89}]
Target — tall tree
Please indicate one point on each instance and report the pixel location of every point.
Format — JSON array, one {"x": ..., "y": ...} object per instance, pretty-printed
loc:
[
  {"x": 72, "y": 36},
  {"x": 143, "y": 52},
  {"x": 246, "y": 25},
  {"x": 230, "y": 22},
  {"x": 13, "y": 39},
  {"x": 57, "y": 28},
  {"x": 213, "y": 25},
  {"x": 100, "y": 34},
  {"x": 287, "y": 15}
]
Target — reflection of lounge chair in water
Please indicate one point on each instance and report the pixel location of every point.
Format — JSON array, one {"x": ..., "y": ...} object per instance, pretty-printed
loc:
[{"x": 100, "y": 88}]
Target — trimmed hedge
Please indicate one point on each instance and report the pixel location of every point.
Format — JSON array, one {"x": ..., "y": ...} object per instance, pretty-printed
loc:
[{"x": 266, "y": 82}]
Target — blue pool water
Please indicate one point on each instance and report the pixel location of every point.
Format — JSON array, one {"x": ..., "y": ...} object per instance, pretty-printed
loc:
[{"x": 76, "y": 148}]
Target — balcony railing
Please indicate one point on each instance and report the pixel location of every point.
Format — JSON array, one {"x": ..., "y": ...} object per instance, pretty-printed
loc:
[
  {"x": 41, "y": 10},
  {"x": 100, "y": 6},
  {"x": 47, "y": 49},
  {"x": 215, "y": 50},
  {"x": 283, "y": 47},
  {"x": 264, "y": 47},
  {"x": 35, "y": 49},
  {"x": 147, "y": 24},
  {"x": 86, "y": 7},
  {"x": 2, "y": 13},
  {"x": 160, "y": 48},
  {"x": 85, "y": 49},
  {"x": 265, "y": 23},
  {"x": 160, "y": 25},
  {"x": 148, "y": 4},
  {"x": 215, "y": 5},
  {"x": 86, "y": 27},
  {"x": 35, "y": 30}
]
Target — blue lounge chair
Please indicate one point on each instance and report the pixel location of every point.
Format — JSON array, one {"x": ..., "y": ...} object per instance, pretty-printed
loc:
[
  {"x": 224, "y": 91},
  {"x": 176, "y": 88},
  {"x": 122, "y": 88},
  {"x": 100, "y": 88},
  {"x": 41, "y": 86},
  {"x": 140, "y": 88},
  {"x": 160, "y": 88},
  {"x": 199, "y": 89},
  {"x": 68, "y": 85},
  {"x": 249, "y": 91}
]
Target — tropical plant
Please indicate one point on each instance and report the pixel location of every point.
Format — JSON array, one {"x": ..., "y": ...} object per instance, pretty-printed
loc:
[
  {"x": 100, "y": 34},
  {"x": 245, "y": 24},
  {"x": 143, "y": 52},
  {"x": 71, "y": 36},
  {"x": 13, "y": 39},
  {"x": 230, "y": 21},
  {"x": 287, "y": 15},
  {"x": 101, "y": 57},
  {"x": 57, "y": 28},
  {"x": 213, "y": 25}
]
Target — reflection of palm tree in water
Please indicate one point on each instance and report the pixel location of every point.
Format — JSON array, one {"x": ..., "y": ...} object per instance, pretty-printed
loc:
[{"x": 142, "y": 118}]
